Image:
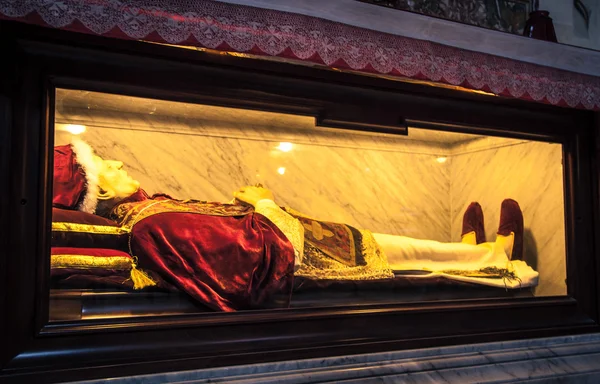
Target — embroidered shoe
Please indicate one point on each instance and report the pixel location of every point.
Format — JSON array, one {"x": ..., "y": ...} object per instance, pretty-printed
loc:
[
  {"x": 473, "y": 222},
  {"x": 511, "y": 223}
]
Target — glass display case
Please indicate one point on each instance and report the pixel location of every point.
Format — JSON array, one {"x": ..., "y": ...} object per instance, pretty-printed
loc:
[{"x": 163, "y": 207}]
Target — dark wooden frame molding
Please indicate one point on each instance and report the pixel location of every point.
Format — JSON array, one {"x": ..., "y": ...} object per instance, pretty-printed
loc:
[{"x": 33, "y": 349}]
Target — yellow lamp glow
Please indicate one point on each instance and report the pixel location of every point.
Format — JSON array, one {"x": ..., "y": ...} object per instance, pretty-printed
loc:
[
  {"x": 281, "y": 170},
  {"x": 285, "y": 147},
  {"x": 75, "y": 129}
]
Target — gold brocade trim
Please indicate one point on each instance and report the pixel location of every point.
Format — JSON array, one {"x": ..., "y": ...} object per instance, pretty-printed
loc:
[
  {"x": 290, "y": 226},
  {"x": 88, "y": 228},
  {"x": 487, "y": 272},
  {"x": 318, "y": 266},
  {"x": 129, "y": 214},
  {"x": 91, "y": 262}
]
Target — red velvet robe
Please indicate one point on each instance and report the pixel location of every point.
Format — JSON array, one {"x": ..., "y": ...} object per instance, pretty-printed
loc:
[{"x": 226, "y": 263}]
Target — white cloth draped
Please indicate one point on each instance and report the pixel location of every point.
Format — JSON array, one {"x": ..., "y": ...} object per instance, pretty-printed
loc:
[{"x": 408, "y": 254}]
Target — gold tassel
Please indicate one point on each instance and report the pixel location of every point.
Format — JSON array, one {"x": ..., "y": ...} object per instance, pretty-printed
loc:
[{"x": 140, "y": 278}]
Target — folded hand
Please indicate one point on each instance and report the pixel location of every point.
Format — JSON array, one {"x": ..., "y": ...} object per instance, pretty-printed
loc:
[{"x": 252, "y": 194}]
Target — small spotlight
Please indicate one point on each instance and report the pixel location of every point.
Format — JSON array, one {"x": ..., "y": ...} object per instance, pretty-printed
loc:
[
  {"x": 441, "y": 159},
  {"x": 75, "y": 129},
  {"x": 285, "y": 147},
  {"x": 281, "y": 170}
]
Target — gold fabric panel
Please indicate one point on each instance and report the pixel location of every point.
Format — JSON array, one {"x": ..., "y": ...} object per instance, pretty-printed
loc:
[
  {"x": 316, "y": 265},
  {"x": 129, "y": 214},
  {"x": 88, "y": 228},
  {"x": 91, "y": 262}
]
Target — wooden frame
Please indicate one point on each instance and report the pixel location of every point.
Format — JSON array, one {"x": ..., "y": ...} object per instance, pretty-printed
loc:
[{"x": 33, "y": 349}]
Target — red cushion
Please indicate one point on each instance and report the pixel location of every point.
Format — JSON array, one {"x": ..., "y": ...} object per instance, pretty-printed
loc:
[
  {"x": 85, "y": 230},
  {"x": 86, "y": 268},
  {"x": 96, "y": 268},
  {"x": 70, "y": 216},
  {"x": 98, "y": 257}
]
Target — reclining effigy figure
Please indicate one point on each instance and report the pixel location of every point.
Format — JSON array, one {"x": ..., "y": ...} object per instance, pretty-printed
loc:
[{"x": 231, "y": 256}]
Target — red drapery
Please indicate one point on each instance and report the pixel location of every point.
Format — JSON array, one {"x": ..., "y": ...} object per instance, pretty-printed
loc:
[{"x": 228, "y": 27}]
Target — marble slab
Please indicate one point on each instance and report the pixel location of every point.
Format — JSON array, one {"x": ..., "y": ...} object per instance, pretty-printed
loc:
[{"x": 568, "y": 359}]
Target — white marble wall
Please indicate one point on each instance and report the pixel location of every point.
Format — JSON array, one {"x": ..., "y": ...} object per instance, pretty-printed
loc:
[
  {"x": 358, "y": 180},
  {"x": 530, "y": 173}
]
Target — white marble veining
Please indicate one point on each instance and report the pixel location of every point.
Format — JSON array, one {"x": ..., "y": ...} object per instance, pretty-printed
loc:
[
  {"x": 570, "y": 359},
  {"x": 532, "y": 174},
  {"x": 358, "y": 187}
]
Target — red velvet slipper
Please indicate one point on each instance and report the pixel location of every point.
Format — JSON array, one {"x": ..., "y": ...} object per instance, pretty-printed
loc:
[
  {"x": 473, "y": 222},
  {"x": 511, "y": 220}
]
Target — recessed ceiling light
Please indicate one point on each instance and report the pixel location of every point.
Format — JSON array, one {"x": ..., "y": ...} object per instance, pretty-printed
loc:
[
  {"x": 75, "y": 129},
  {"x": 285, "y": 147}
]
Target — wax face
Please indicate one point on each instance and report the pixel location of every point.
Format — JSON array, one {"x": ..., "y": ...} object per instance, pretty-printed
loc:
[{"x": 113, "y": 180}]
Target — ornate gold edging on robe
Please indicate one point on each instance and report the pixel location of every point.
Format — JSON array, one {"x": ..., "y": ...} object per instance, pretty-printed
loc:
[
  {"x": 88, "y": 228},
  {"x": 129, "y": 214},
  {"x": 319, "y": 266}
]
